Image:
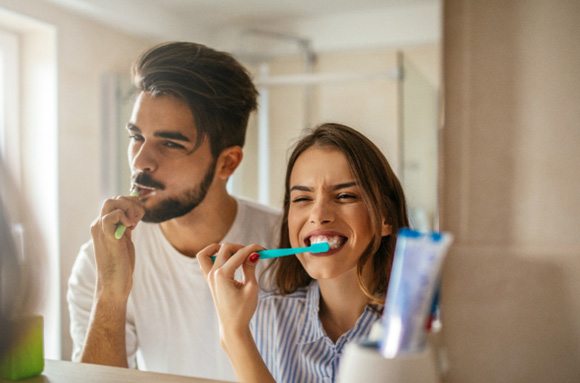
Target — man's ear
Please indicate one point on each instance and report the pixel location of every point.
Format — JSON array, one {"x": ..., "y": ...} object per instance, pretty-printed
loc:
[
  {"x": 386, "y": 229},
  {"x": 228, "y": 161}
]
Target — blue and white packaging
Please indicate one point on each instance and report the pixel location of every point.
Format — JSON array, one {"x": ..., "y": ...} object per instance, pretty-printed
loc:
[{"x": 412, "y": 286}]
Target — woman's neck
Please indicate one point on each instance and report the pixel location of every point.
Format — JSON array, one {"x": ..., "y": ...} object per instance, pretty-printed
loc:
[{"x": 341, "y": 303}]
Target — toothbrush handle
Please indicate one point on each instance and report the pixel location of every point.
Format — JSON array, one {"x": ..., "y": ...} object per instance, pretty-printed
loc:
[
  {"x": 275, "y": 253},
  {"x": 120, "y": 230}
]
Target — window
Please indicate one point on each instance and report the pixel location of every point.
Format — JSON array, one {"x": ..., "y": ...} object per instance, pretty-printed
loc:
[{"x": 9, "y": 100}]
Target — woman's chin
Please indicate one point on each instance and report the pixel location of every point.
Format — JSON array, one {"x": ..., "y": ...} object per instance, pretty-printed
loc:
[{"x": 331, "y": 272}]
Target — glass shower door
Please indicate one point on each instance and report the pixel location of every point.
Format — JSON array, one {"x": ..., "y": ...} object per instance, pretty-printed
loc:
[{"x": 419, "y": 145}]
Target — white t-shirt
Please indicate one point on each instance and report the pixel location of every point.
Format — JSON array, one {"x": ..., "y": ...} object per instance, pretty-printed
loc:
[{"x": 171, "y": 323}]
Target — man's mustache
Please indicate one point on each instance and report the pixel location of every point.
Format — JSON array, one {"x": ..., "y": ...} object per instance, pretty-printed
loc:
[{"x": 145, "y": 179}]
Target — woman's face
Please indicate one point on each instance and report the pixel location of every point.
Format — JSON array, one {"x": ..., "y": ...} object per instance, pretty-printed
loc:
[{"x": 326, "y": 205}]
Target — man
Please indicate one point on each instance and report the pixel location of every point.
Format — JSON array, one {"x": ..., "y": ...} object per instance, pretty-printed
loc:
[{"x": 141, "y": 300}]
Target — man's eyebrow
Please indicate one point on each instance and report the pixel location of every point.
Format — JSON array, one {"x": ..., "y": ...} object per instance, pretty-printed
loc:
[
  {"x": 343, "y": 185},
  {"x": 162, "y": 134},
  {"x": 172, "y": 136},
  {"x": 132, "y": 127}
]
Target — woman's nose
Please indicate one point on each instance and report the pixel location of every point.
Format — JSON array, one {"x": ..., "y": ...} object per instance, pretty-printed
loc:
[{"x": 321, "y": 213}]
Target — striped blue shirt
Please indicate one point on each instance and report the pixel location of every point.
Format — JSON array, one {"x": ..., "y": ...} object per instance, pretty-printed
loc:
[{"x": 292, "y": 341}]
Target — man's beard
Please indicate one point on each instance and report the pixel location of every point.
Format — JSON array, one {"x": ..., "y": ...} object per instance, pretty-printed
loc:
[{"x": 178, "y": 206}]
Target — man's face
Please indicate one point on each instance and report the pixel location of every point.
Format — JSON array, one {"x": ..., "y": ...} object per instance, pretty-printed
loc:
[{"x": 170, "y": 174}]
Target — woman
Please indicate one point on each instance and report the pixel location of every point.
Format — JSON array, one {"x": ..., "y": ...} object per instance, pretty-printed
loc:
[{"x": 340, "y": 189}]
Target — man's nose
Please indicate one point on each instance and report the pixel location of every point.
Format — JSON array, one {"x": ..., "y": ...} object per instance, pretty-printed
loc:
[{"x": 143, "y": 158}]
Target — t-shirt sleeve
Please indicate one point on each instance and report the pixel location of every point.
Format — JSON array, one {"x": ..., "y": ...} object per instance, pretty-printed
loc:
[{"x": 81, "y": 287}]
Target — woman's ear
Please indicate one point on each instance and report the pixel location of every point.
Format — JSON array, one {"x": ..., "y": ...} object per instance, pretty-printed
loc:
[
  {"x": 386, "y": 229},
  {"x": 228, "y": 161}
]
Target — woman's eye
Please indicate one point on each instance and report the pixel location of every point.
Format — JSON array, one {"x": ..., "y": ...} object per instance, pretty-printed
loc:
[
  {"x": 346, "y": 196},
  {"x": 300, "y": 199}
]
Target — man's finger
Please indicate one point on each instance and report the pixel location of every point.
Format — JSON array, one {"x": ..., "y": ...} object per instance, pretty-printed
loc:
[
  {"x": 110, "y": 221},
  {"x": 130, "y": 205}
]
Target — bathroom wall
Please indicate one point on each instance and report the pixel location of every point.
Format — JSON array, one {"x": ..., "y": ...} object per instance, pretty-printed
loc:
[
  {"x": 511, "y": 190},
  {"x": 370, "y": 103},
  {"x": 83, "y": 51}
]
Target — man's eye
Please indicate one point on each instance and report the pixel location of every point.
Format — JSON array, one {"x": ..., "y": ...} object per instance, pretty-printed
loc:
[
  {"x": 135, "y": 137},
  {"x": 173, "y": 145},
  {"x": 300, "y": 199}
]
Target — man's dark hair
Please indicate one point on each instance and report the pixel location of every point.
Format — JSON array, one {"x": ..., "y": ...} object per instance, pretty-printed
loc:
[{"x": 217, "y": 88}]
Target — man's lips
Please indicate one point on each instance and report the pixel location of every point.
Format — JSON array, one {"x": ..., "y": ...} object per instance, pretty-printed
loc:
[
  {"x": 144, "y": 180},
  {"x": 144, "y": 191}
]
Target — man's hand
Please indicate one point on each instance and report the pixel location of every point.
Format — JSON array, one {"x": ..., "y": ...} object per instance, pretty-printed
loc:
[{"x": 115, "y": 258}]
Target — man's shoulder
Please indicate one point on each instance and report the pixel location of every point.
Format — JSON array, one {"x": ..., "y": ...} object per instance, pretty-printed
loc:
[
  {"x": 255, "y": 223},
  {"x": 255, "y": 208},
  {"x": 256, "y": 214}
]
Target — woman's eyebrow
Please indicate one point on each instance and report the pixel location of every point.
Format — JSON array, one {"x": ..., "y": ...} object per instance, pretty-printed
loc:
[
  {"x": 344, "y": 185},
  {"x": 301, "y": 188},
  {"x": 339, "y": 186}
]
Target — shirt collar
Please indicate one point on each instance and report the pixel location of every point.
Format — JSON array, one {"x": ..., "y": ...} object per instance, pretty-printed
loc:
[{"x": 312, "y": 329}]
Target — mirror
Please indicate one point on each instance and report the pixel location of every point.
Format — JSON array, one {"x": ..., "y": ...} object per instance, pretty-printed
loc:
[
  {"x": 340, "y": 60},
  {"x": 388, "y": 91}
]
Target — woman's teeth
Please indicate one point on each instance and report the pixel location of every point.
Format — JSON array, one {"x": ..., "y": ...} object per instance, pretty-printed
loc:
[{"x": 334, "y": 241}]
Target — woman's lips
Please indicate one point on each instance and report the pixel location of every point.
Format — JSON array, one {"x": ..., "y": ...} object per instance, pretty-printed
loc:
[{"x": 335, "y": 241}]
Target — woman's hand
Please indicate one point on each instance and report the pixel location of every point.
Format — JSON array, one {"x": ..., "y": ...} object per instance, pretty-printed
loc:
[
  {"x": 235, "y": 301},
  {"x": 235, "y": 304}
]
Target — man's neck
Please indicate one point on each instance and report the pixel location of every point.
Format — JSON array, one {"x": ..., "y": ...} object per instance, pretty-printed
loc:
[{"x": 208, "y": 223}]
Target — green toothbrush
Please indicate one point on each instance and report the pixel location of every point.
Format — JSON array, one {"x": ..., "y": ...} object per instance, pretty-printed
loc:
[{"x": 120, "y": 230}]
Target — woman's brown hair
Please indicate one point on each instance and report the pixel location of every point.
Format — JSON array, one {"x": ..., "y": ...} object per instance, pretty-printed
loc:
[{"x": 382, "y": 195}]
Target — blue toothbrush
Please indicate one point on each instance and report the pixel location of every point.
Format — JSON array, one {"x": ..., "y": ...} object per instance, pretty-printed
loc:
[{"x": 321, "y": 247}]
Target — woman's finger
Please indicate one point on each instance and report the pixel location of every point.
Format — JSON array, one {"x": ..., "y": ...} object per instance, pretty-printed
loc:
[
  {"x": 204, "y": 257},
  {"x": 224, "y": 253},
  {"x": 239, "y": 258},
  {"x": 249, "y": 269}
]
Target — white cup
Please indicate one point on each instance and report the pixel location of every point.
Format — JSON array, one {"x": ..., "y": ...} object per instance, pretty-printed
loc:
[{"x": 365, "y": 364}]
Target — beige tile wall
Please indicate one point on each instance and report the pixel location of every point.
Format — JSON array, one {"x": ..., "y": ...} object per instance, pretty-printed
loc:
[
  {"x": 511, "y": 190},
  {"x": 369, "y": 105}
]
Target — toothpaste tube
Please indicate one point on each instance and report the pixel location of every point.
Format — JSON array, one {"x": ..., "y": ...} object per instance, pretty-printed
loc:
[{"x": 412, "y": 286}]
